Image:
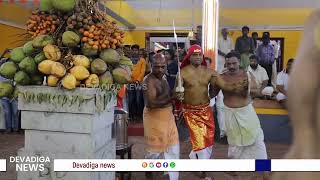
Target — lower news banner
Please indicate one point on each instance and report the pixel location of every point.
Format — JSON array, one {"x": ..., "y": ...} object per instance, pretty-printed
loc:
[{"x": 72, "y": 165}]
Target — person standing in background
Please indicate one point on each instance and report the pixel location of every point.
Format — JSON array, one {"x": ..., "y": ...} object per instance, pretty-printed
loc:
[
  {"x": 245, "y": 46},
  {"x": 127, "y": 51},
  {"x": 10, "y": 112},
  {"x": 172, "y": 67},
  {"x": 136, "y": 103},
  {"x": 255, "y": 37},
  {"x": 265, "y": 53},
  {"x": 225, "y": 45},
  {"x": 144, "y": 54}
]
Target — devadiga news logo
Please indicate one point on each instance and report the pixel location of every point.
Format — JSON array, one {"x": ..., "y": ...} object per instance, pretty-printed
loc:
[{"x": 30, "y": 163}]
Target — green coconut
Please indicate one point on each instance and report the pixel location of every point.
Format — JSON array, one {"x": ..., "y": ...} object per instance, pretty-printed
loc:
[
  {"x": 64, "y": 5},
  {"x": 42, "y": 40},
  {"x": 8, "y": 69},
  {"x": 98, "y": 66},
  {"x": 126, "y": 61},
  {"x": 87, "y": 50},
  {"x": 105, "y": 79},
  {"x": 28, "y": 65},
  {"x": 70, "y": 39},
  {"x": 6, "y": 89},
  {"x": 46, "y": 5},
  {"x": 28, "y": 48},
  {"x": 39, "y": 58},
  {"x": 17, "y": 55},
  {"x": 22, "y": 78},
  {"x": 121, "y": 76},
  {"x": 110, "y": 56}
]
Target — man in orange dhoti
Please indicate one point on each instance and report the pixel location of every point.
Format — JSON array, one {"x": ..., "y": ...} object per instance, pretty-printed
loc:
[
  {"x": 196, "y": 78},
  {"x": 160, "y": 131}
]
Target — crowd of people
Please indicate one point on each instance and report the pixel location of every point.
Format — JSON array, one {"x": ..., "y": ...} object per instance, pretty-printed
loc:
[{"x": 243, "y": 72}]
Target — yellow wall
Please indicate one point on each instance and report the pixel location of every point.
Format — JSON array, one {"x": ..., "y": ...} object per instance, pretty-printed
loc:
[
  {"x": 135, "y": 37},
  {"x": 9, "y": 37}
]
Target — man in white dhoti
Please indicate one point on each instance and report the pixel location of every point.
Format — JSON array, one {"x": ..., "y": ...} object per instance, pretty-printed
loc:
[{"x": 245, "y": 136}]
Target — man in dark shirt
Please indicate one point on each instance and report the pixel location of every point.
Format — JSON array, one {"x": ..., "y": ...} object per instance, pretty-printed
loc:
[
  {"x": 172, "y": 67},
  {"x": 245, "y": 46},
  {"x": 266, "y": 55}
]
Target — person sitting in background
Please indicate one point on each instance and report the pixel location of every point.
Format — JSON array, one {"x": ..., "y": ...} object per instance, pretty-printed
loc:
[
  {"x": 172, "y": 67},
  {"x": 282, "y": 83},
  {"x": 261, "y": 77},
  {"x": 265, "y": 53},
  {"x": 135, "y": 94},
  {"x": 245, "y": 46}
]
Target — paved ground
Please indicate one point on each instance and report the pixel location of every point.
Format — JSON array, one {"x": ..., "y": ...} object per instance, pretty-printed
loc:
[{"x": 10, "y": 143}]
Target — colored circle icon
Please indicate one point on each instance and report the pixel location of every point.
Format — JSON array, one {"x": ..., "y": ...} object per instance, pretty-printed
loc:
[
  {"x": 172, "y": 165},
  {"x": 165, "y": 164},
  {"x": 151, "y": 165},
  {"x": 144, "y": 164}
]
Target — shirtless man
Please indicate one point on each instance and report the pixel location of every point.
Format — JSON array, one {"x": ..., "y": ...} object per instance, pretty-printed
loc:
[
  {"x": 304, "y": 101},
  {"x": 245, "y": 136},
  {"x": 160, "y": 131},
  {"x": 195, "y": 99}
]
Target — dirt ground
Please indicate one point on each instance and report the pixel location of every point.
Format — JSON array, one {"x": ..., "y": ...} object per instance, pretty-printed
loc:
[{"x": 10, "y": 143}]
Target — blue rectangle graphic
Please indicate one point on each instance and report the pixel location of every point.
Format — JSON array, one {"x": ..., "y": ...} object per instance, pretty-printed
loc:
[{"x": 263, "y": 165}]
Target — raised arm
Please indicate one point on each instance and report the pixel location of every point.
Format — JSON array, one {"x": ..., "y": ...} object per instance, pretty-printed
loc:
[
  {"x": 215, "y": 84},
  {"x": 152, "y": 100}
]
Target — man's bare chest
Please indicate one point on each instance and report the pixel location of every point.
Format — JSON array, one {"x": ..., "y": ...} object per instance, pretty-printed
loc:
[
  {"x": 161, "y": 86},
  {"x": 240, "y": 82},
  {"x": 196, "y": 78}
]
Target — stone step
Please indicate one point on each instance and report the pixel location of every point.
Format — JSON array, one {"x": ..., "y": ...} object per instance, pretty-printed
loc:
[
  {"x": 36, "y": 140},
  {"x": 66, "y": 122}
]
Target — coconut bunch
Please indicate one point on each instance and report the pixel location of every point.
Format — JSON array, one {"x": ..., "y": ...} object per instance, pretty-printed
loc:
[{"x": 72, "y": 45}]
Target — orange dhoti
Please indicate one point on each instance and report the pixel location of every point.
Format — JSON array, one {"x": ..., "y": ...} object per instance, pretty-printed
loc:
[
  {"x": 200, "y": 121},
  {"x": 160, "y": 130}
]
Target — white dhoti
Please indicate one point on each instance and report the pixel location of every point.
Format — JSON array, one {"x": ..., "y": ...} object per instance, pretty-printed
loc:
[
  {"x": 267, "y": 91},
  {"x": 202, "y": 154},
  {"x": 281, "y": 97},
  {"x": 255, "y": 151},
  {"x": 245, "y": 136},
  {"x": 220, "y": 114},
  {"x": 172, "y": 153}
]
